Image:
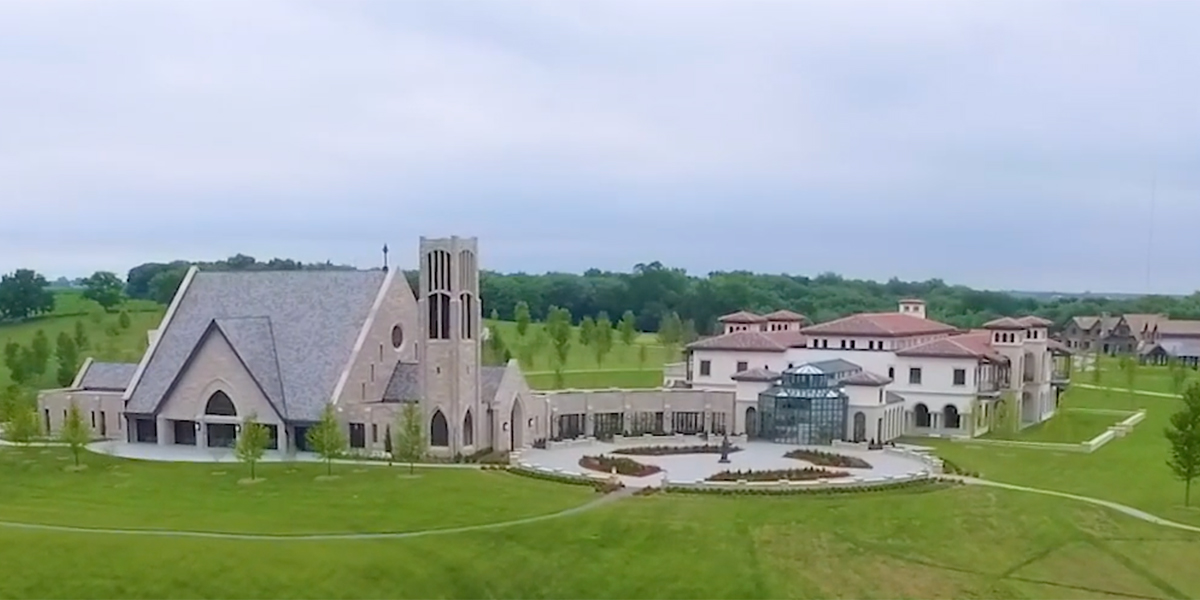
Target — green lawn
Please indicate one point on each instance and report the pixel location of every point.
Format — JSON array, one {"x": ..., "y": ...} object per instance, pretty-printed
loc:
[
  {"x": 950, "y": 543},
  {"x": 207, "y": 497},
  {"x": 1067, "y": 427},
  {"x": 624, "y": 378},
  {"x": 1131, "y": 470},
  {"x": 107, "y": 341}
]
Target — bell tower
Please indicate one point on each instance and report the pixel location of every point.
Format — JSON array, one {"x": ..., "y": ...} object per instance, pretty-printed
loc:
[{"x": 450, "y": 319}]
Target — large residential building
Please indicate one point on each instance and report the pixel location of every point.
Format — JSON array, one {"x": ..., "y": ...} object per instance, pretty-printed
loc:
[
  {"x": 930, "y": 377},
  {"x": 1108, "y": 334},
  {"x": 284, "y": 345}
]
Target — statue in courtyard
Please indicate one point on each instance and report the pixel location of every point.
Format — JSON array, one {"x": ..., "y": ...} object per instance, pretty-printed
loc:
[{"x": 725, "y": 447}]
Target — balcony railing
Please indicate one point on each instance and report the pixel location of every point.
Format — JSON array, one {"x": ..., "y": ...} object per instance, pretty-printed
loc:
[{"x": 990, "y": 386}]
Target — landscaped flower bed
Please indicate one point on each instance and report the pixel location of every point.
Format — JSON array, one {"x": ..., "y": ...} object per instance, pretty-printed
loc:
[
  {"x": 624, "y": 466},
  {"x": 828, "y": 459},
  {"x": 669, "y": 450},
  {"x": 805, "y": 474}
]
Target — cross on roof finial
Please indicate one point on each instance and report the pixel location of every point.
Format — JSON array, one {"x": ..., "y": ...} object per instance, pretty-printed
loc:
[{"x": 385, "y": 253}]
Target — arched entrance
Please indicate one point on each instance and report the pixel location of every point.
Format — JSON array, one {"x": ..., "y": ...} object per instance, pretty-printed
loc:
[
  {"x": 860, "y": 427},
  {"x": 468, "y": 430},
  {"x": 516, "y": 426},
  {"x": 220, "y": 435},
  {"x": 751, "y": 422},
  {"x": 439, "y": 430},
  {"x": 950, "y": 417},
  {"x": 921, "y": 415}
]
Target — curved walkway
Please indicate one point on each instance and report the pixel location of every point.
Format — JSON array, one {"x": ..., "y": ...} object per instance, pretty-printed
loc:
[
  {"x": 1121, "y": 508},
  {"x": 607, "y": 498}
]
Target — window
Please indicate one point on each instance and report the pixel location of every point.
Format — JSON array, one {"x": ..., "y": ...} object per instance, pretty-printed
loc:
[
  {"x": 705, "y": 368},
  {"x": 891, "y": 372},
  {"x": 47, "y": 411},
  {"x": 358, "y": 435},
  {"x": 843, "y": 344},
  {"x": 852, "y": 344},
  {"x": 103, "y": 424},
  {"x": 960, "y": 377},
  {"x": 93, "y": 419},
  {"x": 372, "y": 371},
  {"x": 374, "y": 433},
  {"x": 742, "y": 366},
  {"x": 397, "y": 340},
  {"x": 914, "y": 375},
  {"x": 381, "y": 353}
]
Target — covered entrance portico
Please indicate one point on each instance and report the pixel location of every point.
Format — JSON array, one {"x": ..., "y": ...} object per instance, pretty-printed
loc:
[{"x": 216, "y": 427}]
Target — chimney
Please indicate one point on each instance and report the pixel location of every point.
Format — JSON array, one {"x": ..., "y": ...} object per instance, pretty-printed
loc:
[{"x": 912, "y": 306}]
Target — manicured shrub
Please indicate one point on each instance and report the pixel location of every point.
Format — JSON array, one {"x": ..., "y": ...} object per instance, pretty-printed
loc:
[
  {"x": 598, "y": 485},
  {"x": 805, "y": 474},
  {"x": 828, "y": 459},
  {"x": 623, "y": 466},
  {"x": 671, "y": 450}
]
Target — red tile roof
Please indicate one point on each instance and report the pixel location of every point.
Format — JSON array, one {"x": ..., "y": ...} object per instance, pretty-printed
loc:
[
  {"x": 742, "y": 316},
  {"x": 867, "y": 378},
  {"x": 1057, "y": 347},
  {"x": 1035, "y": 321},
  {"x": 1005, "y": 323},
  {"x": 879, "y": 325},
  {"x": 784, "y": 315},
  {"x": 756, "y": 375},
  {"x": 967, "y": 345},
  {"x": 761, "y": 341}
]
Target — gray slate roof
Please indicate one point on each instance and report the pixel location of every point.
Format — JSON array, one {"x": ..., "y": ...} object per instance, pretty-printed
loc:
[
  {"x": 404, "y": 384},
  {"x": 835, "y": 365},
  {"x": 489, "y": 382},
  {"x": 108, "y": 377},
  {"x": 309, "y": 320}
]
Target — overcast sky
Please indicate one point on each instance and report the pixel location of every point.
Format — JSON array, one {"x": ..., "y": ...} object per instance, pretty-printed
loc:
[{"x": 996, "y": 144}]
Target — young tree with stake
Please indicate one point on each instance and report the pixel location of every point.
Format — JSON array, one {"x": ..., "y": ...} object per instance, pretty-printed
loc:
[
  {"x": 22, "y": 426},
  {"x": 410, "y": 435},
  {"x": 75, "y": 432},
  {"x": 628, "y": 328},
  {"x": 252, "y": 441},
  {"x": 326, "y": 438},
  {"x": 1184, "y": 437}
]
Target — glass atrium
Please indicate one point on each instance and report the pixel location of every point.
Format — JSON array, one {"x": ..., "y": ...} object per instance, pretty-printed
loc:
[{"x": 807, "y": 406}]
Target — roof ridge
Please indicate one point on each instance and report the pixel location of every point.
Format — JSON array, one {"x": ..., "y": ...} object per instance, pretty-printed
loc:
[{"x": 216, "y": 324}]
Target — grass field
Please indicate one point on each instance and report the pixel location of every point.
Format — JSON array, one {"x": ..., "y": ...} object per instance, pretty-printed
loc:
[
  {"x": 1067, "y": 427},
  {"x": 107, "y": 340},
  {"x": 620, "y": 368},
  {"x": 1131, "y": 470},
  {"x": 950, "y": 543}
]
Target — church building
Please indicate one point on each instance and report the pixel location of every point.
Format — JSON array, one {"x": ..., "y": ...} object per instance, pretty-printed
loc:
[{"x": 282, "y": 345}]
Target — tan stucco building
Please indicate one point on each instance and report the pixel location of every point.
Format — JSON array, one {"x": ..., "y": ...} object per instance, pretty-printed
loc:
[{"x": 281, "y": 345}]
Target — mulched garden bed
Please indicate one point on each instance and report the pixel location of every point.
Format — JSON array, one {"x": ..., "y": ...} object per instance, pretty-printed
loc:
[
  {"x": 670, "y": 450},
  {"x": 805, "y": 474},
  {"x": 624, "y": 466},
  {"x": 828, "y": 459}
]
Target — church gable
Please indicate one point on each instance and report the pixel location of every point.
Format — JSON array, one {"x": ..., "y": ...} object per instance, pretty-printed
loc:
[
  {"x": 388, "y": 338},
  {"x": 213, "y": 367}
]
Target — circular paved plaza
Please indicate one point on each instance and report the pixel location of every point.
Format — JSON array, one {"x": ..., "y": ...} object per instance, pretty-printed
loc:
[{"x": 753, "y": 456}]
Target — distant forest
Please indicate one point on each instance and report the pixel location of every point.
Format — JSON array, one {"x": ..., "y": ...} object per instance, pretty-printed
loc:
[{"x": 653, "y": 290}]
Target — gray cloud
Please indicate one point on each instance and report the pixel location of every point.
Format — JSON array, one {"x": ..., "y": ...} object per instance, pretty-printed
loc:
[{"x": 991, "y": 143}]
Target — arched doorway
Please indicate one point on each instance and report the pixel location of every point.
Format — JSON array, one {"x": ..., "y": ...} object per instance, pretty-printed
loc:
[
  {"x": 468, "y": 430},
  {"x": 516, "y": 425},
  {"x": 751, "y": 422},
  {"x": 950, "y": 417},
  {"x": 921, "y": 415},
  {"x": 220, "y": 435},
  {"x": 439, "y": 430},
  {"x": 860, "y": 427}
]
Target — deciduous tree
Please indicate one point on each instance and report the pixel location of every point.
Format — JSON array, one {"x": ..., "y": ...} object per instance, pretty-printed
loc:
[
  {"x": 23, "y": 294},
  {"x": 410, "y": 435},
  {"x": 670, "y": 332},
  {"x": 165, "y": 283},
  {"x": 602, "y": 337},
  {"x": 522, "y": 317},
  {"x": 39, "y": 355},
  {"x": 22, "y": 425},
  {"x": 80, "y": 336},
  {"x": 68, "y": 359},
  {"x": 105, "y": 288},
  {"x": 326, "y": 438},
  {"x": 15, "y": 358},
  {"x": 1184, "y": 437},
  {"x": 628, "y": 327},
  {"x": 252, "y": 441},
  {"x": 587, "y": 331},
  {"x": 123, "y": 320},
  {"x": 75, "y": 433},
  {"x": 558, "y": 326},
  {"x": 1179, "y": 375}
]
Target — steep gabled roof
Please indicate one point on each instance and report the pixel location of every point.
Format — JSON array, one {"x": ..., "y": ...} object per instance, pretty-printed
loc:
[
  {"x": 490, "y": 378},
  {"x": 742, "y": 317},
  {"x": 313, "y": 319},
  {"x": 758, "y": 341},
  {"x": 254, "y": 342},
  {"x": 107, "y": 377},
  {"x": 405, "y": 383},
  {"x": 784, "y": 315},
  {"x": 880, "y": 325},
  {"x": 968, "y": 345}
]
